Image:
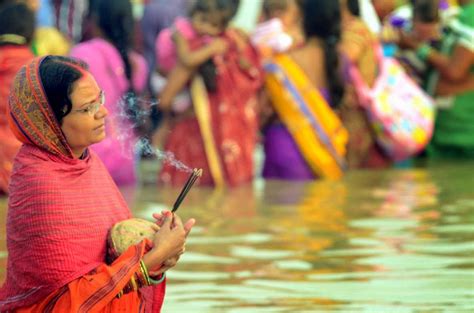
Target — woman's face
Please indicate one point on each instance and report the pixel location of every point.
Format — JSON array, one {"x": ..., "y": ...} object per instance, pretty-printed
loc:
[{"x": 85, "y": 124}]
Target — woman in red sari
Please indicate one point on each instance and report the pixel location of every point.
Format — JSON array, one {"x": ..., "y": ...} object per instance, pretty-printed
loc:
[
  {"x": 63, "y": 202},
  {"x": 17, "y": 25}
]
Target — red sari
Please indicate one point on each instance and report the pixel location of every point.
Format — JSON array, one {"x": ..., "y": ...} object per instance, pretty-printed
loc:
[
  {"x": 60, "y": 211},
  {"x": 12, "y": 58},
  {"x": 221, "y": 136}
]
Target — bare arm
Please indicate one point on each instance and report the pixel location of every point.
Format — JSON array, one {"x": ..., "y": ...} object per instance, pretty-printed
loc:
[
  {"x": 194, "y": 58},
  {"x": 455, "y": 68},
  {"x": 177, "y": 80}
]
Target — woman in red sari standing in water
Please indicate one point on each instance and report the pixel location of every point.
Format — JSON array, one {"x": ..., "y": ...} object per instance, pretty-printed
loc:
[{"x": 63, "y": 203}]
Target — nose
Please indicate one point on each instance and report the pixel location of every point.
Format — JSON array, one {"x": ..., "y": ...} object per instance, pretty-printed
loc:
[{"x": 103, "y": 112}]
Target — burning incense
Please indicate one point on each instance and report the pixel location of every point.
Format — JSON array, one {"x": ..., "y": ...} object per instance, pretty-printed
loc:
[{"x": 192, "y": 178}]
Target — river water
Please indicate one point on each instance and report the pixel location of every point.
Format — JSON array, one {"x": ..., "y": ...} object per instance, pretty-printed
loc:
[{"x": 376, "y": 241}]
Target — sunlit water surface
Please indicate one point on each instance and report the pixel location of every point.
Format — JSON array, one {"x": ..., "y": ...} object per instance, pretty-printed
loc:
[{"x": 377, "y": 241}]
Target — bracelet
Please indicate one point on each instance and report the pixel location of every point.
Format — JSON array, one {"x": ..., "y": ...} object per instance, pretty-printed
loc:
[
  {"x": 423, "y": 51},
  {"x": 157, "y": 281},
  {"x": 144, "y": 272}
]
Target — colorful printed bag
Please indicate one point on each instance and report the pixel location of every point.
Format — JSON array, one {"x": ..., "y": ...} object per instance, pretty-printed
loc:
[{"x": 401, "y": 113}]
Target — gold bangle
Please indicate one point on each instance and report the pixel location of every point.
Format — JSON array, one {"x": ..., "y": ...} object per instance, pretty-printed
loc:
[{"x": 145, "y": 273}]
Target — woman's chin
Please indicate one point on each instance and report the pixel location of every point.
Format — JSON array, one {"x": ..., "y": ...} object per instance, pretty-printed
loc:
[{"x": 100, "y": 137}]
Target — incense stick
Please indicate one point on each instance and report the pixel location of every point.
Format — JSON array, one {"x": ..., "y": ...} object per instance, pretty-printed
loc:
[{"x": 189, "y": 183}]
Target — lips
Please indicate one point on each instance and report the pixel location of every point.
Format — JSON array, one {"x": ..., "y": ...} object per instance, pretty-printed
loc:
[{"x": 99, "y": 127}]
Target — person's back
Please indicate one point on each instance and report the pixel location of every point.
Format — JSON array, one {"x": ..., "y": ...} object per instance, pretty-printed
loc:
[
  {"x": 16, "y": 31},
  {"x": 306, "y": 140},
  {"x": 310, "y": 58}
]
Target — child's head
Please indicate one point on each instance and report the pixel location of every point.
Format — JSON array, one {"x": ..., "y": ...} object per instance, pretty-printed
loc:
[
  {"x": 285, "y": 10},
  {"x": 211, "y": 17},
  {"x": 425, "y": 19}
]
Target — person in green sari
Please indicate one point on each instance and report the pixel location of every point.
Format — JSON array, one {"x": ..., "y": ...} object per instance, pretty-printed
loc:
[{"x": 453, "y": 83}]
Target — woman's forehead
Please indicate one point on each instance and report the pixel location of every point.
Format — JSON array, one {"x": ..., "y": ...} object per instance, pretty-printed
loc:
[
  {"x": 86, "y": 84},
  {"x": 85, "y": 90}
]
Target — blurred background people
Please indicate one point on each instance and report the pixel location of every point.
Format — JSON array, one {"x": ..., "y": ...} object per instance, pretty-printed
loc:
[
  {"x": 122, "y": 75},
  {"x": 358, "y": 46},
  {"x": 17, "y": 26},
  {"x": 157, "y": 15},
  {"x": 279, "y": 28},
  {"x": 70, "y": 17},
  {"x": 47, "y": 39},
  {"x": 454, "y": 81},
  {"x": 219, "y": 133},
  {"x": 305, "y": 139}
]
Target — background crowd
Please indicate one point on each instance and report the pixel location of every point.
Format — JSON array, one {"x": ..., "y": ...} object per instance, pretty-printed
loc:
[{"x": 181, "y": 74}]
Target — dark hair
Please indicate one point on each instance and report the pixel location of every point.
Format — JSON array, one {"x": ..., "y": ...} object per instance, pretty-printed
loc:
[
  {"x": 227, "y": 7},
  {"x": 115, "y": 19},
  {"x": 17, "y": 19},
  {"x": 270, "y": 6},
  {"x": 425, "y": 11},
  {"x": 353, "y": 6},
  {"x": 58, "y": 75},
  {"x": 322, "y": 19}
]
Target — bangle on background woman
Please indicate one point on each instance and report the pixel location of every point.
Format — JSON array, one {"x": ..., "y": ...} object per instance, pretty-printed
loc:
[{"x": 423, "y": 51}]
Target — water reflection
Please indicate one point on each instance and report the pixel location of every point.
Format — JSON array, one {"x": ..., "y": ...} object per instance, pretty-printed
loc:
[{"x": 386, "y": 241}]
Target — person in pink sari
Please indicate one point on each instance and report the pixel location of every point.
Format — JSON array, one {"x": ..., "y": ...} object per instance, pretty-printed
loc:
[{"x": 122, "y": 74}]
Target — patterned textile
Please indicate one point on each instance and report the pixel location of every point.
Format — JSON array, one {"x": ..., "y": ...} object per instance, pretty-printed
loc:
[
  {"x": 60, "y": 211},
  {"x": 362, "y": 149},
  {"x": 31, "y": 118},
  {"x": 315, "y": 128},
  {"x": 12, "y": 58},
  {"x": 231, "y": 116}
]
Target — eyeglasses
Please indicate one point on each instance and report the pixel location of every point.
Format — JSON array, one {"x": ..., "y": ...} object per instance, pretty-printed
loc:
[{"x": 94, "y": 107}]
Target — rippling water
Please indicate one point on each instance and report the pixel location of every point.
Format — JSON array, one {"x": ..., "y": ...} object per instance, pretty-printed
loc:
[{"x": 381, "y": 241}]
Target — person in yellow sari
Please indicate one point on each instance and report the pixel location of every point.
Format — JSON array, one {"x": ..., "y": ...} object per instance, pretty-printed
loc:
[{"x": 306, "y": 138}]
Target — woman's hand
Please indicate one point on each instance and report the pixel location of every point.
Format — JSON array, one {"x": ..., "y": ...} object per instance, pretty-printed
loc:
[
  {"x": 169, "y": 242},
  {"x": 169, "y": 263}
]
